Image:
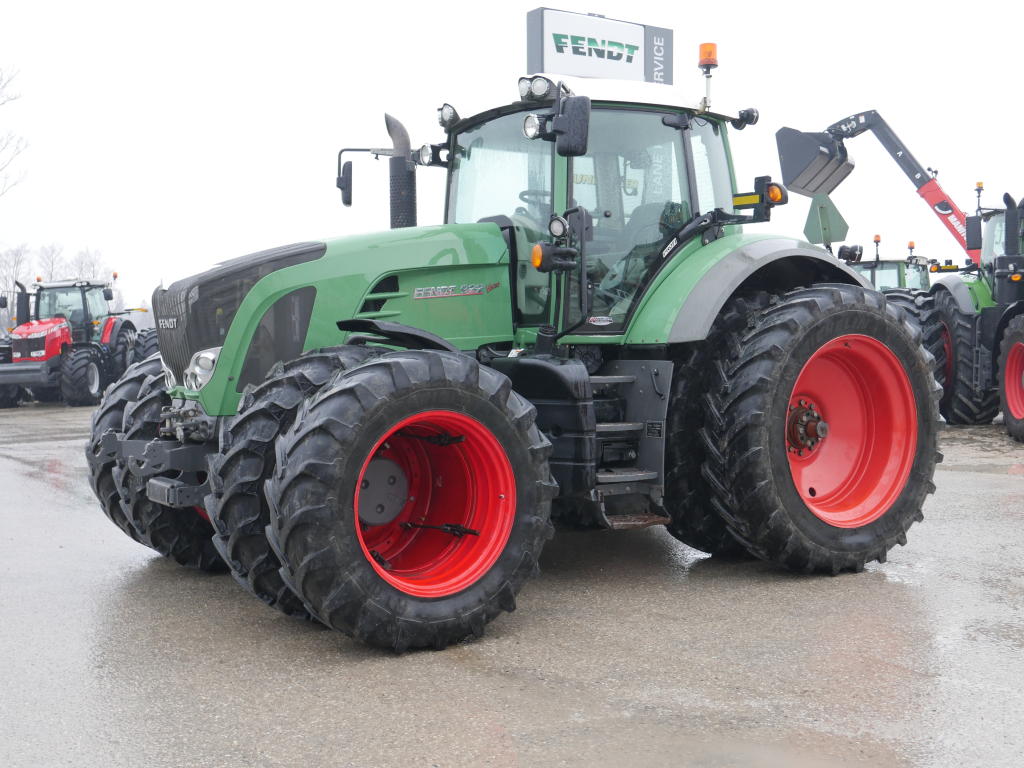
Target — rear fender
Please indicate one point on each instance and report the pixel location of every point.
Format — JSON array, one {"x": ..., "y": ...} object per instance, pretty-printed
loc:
[
  {"x": 956, "y": 288},
  {"x": 683, "y": 306}
]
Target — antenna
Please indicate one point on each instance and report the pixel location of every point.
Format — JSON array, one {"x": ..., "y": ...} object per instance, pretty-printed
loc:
[{"x": 708, "y": 61}]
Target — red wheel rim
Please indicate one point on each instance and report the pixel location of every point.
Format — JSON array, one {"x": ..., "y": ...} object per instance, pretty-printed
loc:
[
  {"x": 1013, "y": 380},
  {"x": 468, "y": 484},
  {"x": 947, "y": 366},
  {"x": 850, "y": 471}
]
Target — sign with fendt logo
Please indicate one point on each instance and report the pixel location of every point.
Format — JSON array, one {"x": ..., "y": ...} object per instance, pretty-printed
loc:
[{"x": 593, "y": 46}]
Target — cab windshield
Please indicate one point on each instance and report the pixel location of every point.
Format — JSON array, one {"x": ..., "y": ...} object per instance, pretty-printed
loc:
[
  {"x": 633, "y": 182},
  {"x": 61, "y": 302}
]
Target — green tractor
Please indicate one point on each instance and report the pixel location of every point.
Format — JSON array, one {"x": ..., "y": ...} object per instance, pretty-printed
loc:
[
  {"x": 910, "y": 274},
  {"x": 379, "y": 431}
]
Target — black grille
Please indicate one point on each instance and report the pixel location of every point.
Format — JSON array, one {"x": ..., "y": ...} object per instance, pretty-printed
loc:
[
  {"x": 22, "y": 347},
  {"x": 5, "y": 353},
  {"x": 196, "y": 313}
]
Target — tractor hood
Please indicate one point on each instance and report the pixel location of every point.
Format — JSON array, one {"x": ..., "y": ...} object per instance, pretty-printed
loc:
[
  {"x": 295, "y": 294},
  {"x": 35, "y": 328}
]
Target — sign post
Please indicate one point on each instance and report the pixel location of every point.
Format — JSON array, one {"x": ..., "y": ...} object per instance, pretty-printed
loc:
[{"x": 586, "y": 45}]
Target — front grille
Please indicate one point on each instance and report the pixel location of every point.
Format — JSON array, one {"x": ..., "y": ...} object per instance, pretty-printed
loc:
[
  {"x": 23, "y": 347},
  {"x": 196, "y": 313},
  {"x": 5, "y": 353}
]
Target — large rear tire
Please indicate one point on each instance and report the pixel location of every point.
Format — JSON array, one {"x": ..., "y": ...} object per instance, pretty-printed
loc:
[
  {"x": 920, "y": 306},
  {"x": 1011, "y": 378},
  {"x": 821, "y": 433},
  {"x": 81, "y": 376},
  {"x": 181, "y": 534},
  {"x": 412, "y": 500},
  {"x": 687, "y": 494},
  {"x": 237, "y": 506},
  {"x": 110, "y": 417},
  {"x": 961, "y": 403},
  {"x": 122, "y": 352}
]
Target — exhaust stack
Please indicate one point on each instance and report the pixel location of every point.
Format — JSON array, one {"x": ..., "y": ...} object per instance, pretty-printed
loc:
[{"x": 403, "y": 176}]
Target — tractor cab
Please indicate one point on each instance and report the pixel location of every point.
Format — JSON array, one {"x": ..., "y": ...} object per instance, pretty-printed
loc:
[
  {"x": 591, "y": 196},
  {"x": 83, "y": 305}
]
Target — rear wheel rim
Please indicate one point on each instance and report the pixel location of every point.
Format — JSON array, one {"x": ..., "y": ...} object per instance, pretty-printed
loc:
[
  {"x": 850, "y": 472},
  {"x": 947, "y": 364},
  {"x": 1013, "y": 380},
  {"x": 467, "y": 483}
]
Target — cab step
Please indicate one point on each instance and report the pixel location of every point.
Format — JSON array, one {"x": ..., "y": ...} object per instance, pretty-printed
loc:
[
  {"x": 630, "y": 522},
  {"x": 625, "y": 475},
  {"x": 609, "y": 380},
  {"x": 618, "y": 427}
]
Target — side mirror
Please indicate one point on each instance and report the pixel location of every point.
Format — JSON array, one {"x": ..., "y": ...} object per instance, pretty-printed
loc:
[
  {"x": 108, "y": 294},
  {"x": 571, "y": 126},
  {"x": 345, "y": 183},
  {"x": 973, "y": 235},
  {"x": 3, "y": 302}
]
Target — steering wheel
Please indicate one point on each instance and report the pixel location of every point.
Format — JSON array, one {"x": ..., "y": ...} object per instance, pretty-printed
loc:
[{"x": 531, "y": 196}]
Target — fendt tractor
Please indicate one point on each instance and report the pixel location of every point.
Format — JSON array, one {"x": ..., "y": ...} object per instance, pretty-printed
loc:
[
  {"x": 379, "y": 431},
  {"x": 68, "y": 344},
  {"x": 978, "y": 306}
]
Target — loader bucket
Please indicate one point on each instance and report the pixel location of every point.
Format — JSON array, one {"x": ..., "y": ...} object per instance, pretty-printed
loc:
[{"x": 812, "y": 163}]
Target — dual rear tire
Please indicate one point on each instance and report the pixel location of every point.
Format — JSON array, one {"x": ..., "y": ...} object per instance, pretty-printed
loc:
[{"x": 820, "y": 431}]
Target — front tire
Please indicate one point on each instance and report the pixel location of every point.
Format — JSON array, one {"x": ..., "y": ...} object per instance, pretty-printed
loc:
[
  {"x": 412, "y": 500},
  {"x": 110, "y": 417},
  {"x": 146, "y": 345},
  {"x": 1011, "y": 378},
  {"x": 821, "y": 436},
  {"x": 181, "y": 534},
  {"x": 81, "y": 376},
  {"x": 10, "y": 395},
  {"x": 238, "y": 507}
]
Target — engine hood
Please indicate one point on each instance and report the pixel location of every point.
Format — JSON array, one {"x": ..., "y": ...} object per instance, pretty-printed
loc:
[{"x": 34, "y": 327}]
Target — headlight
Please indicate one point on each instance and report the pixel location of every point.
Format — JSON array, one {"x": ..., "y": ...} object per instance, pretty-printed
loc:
[
  {"x": 200, "y": 369},
  {"x": 532, "y": 126}
]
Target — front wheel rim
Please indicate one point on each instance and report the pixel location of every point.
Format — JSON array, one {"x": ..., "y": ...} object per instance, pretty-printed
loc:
[
  {"x": 1013, "y": 380},
  {"x": 449, "y": 470},
  {"x": 851, "y": 431},
  {"x": 92, "y": 379}
]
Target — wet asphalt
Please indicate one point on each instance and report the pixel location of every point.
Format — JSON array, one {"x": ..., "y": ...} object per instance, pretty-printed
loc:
[{"x": 630, "y": 649}]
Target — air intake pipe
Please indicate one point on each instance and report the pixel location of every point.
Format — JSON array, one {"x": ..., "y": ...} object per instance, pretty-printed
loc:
[{"x": 403, "y": 176}]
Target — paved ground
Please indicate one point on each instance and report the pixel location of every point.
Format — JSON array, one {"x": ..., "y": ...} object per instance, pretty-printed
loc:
[{"x": 630, "y": 649}]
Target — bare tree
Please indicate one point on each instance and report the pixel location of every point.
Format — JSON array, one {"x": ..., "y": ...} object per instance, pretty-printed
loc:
[
  {"x": 50, "y": 261},
  {"x": 87, "y": 265},
  {"x": 15, "y": 264},
  {"x": 11, "y": 145}
]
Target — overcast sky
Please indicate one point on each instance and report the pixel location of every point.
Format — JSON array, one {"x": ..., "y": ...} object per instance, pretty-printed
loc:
[{"x": 173, "y": 136}]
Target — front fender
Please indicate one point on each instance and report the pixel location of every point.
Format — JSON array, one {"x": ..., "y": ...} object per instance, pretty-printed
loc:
[{"x": 685, "y": 300}]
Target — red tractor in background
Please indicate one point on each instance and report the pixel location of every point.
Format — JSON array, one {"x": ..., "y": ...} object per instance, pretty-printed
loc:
[{"x": 67, "y": 344}]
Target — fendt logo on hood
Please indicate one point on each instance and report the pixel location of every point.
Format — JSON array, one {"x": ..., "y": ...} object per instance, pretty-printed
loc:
[{"x": 581, "y": 45}]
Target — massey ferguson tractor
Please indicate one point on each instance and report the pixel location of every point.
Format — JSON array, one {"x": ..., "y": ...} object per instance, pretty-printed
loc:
[
  {"x": 976, "y": 310},
  {"x": 67, "y": 344},
  {"x": 379, "y": 431}
]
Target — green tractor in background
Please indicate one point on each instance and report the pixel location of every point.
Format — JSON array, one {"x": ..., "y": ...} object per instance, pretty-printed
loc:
[
  {"x": 910, "y": 274},
  {"x": 977, "y": 306},
  {"x": 378, "y": 431}
]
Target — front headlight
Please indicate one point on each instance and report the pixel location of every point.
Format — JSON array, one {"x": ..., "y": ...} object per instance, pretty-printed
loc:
[{"x": 200, "y": 369}]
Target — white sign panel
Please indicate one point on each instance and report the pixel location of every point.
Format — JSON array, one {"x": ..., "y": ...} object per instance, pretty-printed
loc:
[{"x": 593, "y": 46}]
